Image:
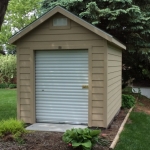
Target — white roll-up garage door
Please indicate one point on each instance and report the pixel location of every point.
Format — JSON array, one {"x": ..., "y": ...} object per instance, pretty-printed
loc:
[{"x": 61, "y": 91}]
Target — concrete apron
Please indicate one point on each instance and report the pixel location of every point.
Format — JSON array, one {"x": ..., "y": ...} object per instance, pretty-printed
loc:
[
  {"x": 143, "y": 90},
  {"x": 53, "y": 127}
]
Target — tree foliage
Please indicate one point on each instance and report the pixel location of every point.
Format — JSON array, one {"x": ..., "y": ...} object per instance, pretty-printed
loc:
[
  {"x": 19, "y": 14},
  {"x": 126, "y": 20},
  {"x": 7, "y": 68}
]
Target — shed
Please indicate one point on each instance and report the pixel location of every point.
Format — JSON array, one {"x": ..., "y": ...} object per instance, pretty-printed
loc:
[{"x": 68, "y": 71}]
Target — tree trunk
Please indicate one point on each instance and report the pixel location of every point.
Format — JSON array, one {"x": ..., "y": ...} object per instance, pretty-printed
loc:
[{"x": 3, "y": 7}]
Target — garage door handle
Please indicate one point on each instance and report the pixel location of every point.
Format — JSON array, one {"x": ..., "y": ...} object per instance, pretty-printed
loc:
[{"x": 85, "y": 86}]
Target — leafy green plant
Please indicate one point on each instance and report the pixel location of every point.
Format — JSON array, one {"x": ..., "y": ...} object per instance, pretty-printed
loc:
[
  {"x": 128, "y": 101},
  {"x": 12, "y": 86},
  {"x": 12, "y": 127},
  {"x": 84, "y": 138}
]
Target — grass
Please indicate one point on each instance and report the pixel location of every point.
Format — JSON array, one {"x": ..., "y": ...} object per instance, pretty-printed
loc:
[
  {"x": 8, "y": 106},
  {"x": 136, "y": 134}
]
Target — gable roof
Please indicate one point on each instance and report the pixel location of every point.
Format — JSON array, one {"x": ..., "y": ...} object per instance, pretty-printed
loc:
[{"x": 71, "y": 16}]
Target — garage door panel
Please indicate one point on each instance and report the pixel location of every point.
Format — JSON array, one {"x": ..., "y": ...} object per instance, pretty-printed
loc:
[
  {"x": 48, "y": 70},
  {"x": 75, "y": 120},
  {"x": 64, "y": 92},
  {"x": 63, "y": 62},
  {"x": 61, "y": 93},
  {"x": 60, "y": 76},
  {"x": 63, "y": 104},
  {"x": 49, "y": 74},
  {"x": 57, "y": 110},
  {"x": 55, "y": 59},
  {"x": 74, "y": 110},
  {"x": 71, "y": 113},
  {"x": 61, "y": 54},
  {"x": 67, "y": 115},
  {"x": 60, "y": 98},
  {"x": 45, "y": 84},
  {"x": 59, "y": 70},
  {"x": 57, "y": 66},
  {"x": 61, "y": 81},
  {"x": 80, "y": 110},
  {"x": 61, "y": 89},
  {"x": 48, "y": 96}
]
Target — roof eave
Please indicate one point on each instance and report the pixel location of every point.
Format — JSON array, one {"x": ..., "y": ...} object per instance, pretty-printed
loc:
[
  {"x": 33, "y": 25},
  {"x": 118, "y": 44}
]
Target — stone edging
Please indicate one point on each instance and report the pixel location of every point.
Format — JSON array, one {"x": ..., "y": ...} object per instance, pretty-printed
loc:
[{"x": 113, "y": 144}]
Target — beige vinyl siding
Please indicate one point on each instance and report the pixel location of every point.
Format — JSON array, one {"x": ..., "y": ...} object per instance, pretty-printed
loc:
[
  {"x": 68, "y": 44},
  {"x": 67, "y": 37},
  {"x": 75, "y": 37},
  {"x": 24, "y": 88},
  {"x": 114, "y": 81},
  {"x": 98, "y": 86},
  {"x": 44, "y": 33}
]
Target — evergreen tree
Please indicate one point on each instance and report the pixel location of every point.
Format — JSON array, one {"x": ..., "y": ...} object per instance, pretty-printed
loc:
[{"x": 126, "y": 20}]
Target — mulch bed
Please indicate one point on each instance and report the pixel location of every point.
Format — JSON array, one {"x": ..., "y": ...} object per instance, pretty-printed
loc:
[{"x": 53, "y": 140}]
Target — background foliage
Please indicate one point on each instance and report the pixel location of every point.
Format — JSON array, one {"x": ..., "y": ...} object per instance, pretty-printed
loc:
[
  {"x": 126, "y": 20},
  {"x": 19, "y": 14},
  {"x": 7, "y": 68}
]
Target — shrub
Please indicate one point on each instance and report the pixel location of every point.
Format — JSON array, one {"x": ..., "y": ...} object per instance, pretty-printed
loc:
[
  {"x": 3, "y": 85},
  {"x": 128, "y": 101},
  {"x": 7, "y": 68},
  {"x": 12, "y": 86},
  {"x": 84, "y": 138},
  {"x": 12, "y": 127}
]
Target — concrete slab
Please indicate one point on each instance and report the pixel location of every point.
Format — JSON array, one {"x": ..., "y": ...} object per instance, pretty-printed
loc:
[
  {"x": 143, "y": 90},
  {"x": 53, "y": 127}
]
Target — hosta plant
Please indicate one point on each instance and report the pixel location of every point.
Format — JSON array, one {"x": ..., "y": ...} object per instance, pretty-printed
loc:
[{"x": 84, "y": 138}]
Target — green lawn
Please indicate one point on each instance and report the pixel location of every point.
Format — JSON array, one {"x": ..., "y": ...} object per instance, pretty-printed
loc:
[
  {"x": 136, "y": 135},
  {"x": 8, "y": 106}
]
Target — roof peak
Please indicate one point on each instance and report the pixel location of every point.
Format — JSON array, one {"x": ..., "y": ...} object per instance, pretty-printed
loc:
[{"x": 69, "y": 15}]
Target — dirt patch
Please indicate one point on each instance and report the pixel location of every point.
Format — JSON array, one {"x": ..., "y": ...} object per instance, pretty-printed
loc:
[
  {"x": 143, "y": 105},
  {"x": 53, "y": 140}
]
